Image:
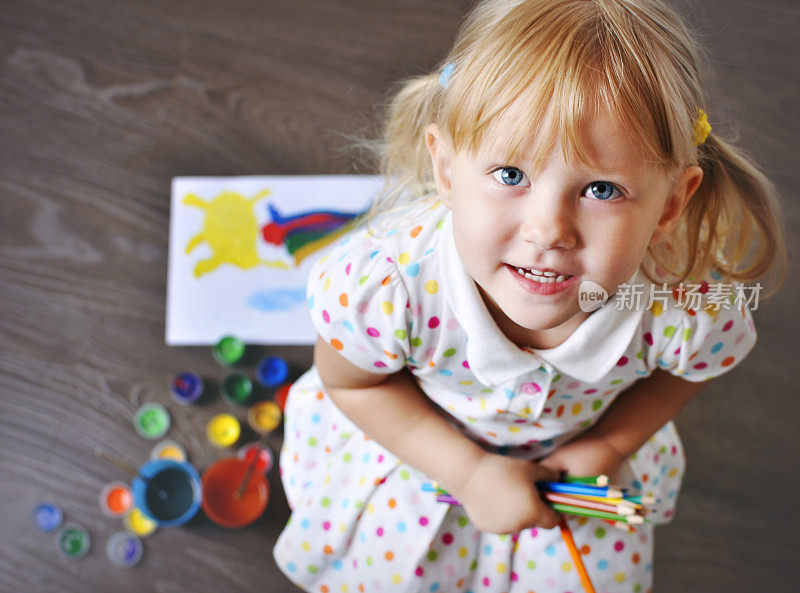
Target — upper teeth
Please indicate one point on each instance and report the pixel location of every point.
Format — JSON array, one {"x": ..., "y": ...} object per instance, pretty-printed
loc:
[{"x": 541, "y": 277}]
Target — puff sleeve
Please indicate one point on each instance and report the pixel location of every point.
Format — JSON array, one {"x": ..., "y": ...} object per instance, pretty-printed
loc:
[
  {"x": 700, "y": 345},
  {"x": 359, "y": 305}
]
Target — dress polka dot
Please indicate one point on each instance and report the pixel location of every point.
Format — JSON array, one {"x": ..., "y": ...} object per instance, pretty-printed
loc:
[{"x": 530, "y": 388}]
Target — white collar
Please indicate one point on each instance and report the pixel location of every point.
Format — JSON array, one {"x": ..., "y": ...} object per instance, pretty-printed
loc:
[{"x": 587, "y": 355}]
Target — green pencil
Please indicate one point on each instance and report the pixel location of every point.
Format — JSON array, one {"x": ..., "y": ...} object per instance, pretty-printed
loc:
[
  {"x": 601, "y": 480},
  {"x": 572, "y": 510}
]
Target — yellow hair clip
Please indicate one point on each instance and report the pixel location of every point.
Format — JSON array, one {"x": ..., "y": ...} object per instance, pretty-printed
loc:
[{"x": 701, "y": 127}]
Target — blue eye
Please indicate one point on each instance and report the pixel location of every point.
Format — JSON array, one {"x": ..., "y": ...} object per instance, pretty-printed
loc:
[
  {"x": 603, "y": 190},
  {"x": 508, "y": 176}
]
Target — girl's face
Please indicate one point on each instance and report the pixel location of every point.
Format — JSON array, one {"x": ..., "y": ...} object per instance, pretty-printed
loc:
[{"x": 582, "y": 225}]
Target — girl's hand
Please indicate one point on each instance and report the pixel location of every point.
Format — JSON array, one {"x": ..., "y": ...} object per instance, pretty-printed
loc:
[
  {"x": 501, "y": 495},
  {"x": 586, "y": 456}
]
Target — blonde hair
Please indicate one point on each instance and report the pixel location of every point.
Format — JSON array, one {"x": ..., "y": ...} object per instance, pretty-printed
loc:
[{"x": 557, "y": 61}]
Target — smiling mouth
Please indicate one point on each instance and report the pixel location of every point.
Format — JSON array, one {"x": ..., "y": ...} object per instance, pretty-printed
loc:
[{"x": 541, "y": 277}]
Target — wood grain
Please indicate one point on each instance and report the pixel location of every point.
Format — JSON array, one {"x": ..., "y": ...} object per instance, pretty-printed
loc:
[{"x": 102, "y": 103}]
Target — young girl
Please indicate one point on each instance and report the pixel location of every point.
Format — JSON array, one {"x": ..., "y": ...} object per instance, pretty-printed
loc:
[{"x": 562, "y": 145}]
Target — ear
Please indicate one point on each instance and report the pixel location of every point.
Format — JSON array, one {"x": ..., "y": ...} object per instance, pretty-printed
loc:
[
  {"x": 441, "y": 153},
  {"x": 685, "y": 186}
]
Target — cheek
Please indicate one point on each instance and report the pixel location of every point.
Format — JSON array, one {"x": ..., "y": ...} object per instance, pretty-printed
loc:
[
  {"x": 473, "y": 237},
  {"x": 481, "y": 222},
  {"x": 616, "y": 250}
]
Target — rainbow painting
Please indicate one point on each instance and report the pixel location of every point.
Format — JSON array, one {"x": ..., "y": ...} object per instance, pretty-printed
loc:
[{"x": 305, "y": 233}]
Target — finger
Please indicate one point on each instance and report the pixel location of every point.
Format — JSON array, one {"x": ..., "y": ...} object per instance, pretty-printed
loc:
[
  {"x": 547, "y": 474},
  {"x": 550, "y": 518}
]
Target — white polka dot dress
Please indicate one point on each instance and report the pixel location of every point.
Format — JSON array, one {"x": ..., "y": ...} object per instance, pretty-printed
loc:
[{"x": 360, "y": 519}]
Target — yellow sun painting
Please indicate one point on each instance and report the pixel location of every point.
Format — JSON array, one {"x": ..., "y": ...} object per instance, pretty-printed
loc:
[{"x": 230, "y": 228}]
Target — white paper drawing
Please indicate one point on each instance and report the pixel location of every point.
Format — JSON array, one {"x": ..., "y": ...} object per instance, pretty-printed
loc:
[{"x": 240, "y": 249}]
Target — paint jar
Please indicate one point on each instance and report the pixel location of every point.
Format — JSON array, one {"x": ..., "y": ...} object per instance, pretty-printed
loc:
[
  {"x": 116, "y": 499},
  {"x": 168, "y": 449},
  {"x": 124, "y": 549},
  {"x": 221, "y": 483},
  {"x": 47, "y": 517},
  {"x": 138, "y": 523},
  {"x": 264, "y": 416},
  {"x": 265, "y": 459},
  {"x": 168, "y": 491},
  {"x": 73, "y": 541},
  {"x": 272, "y": 371},
  {"x": 151, "y": 421},
  {"x": 281, "y": 395},
  {"x": 228, "y": 351},
  {"x": 223, "y": 430},
  {"x": 237, "y": 389},
  {"x": 186, "y": 388}
]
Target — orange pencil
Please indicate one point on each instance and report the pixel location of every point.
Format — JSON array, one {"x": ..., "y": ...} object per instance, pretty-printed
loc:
[{"x": 566, "y": 533}]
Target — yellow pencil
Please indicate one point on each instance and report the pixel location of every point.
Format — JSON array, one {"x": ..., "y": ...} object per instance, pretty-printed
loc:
[{"x": 608, "y": 500}]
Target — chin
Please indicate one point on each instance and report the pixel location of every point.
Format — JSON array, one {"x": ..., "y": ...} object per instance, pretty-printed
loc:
[{"x": 538, "y": 322}]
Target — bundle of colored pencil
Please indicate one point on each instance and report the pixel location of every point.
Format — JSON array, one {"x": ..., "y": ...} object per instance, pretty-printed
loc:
[{"x": 584, "y": 496}]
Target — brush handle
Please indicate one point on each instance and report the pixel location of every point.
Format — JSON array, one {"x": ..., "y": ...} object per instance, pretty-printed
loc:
[{"x": 251, "y": 467}]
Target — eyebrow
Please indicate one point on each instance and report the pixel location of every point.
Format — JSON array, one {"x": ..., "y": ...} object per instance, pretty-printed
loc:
[{"x": 603, "y": 170}]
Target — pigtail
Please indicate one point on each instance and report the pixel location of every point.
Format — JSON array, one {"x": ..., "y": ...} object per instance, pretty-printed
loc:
[
  {"x": 732, "y": 226},
  {"x": 402, "y": 153}
]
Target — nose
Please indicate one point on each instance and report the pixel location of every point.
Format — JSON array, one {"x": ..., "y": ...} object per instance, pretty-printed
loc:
[{"x": 548, "y": 222}]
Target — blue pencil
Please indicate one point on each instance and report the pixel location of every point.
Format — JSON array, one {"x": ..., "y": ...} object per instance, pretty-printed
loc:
[
  {"x": 581, "y": 489},
  {"x": 432, "y": 487}
]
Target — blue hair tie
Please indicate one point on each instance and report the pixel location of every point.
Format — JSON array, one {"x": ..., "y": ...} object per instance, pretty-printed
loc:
[{"x": 446, "y": 74}]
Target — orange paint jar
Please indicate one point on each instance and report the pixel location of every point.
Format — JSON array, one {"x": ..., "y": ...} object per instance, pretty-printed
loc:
[
  {"x": 221, "y": 482},
  {"x": 116, "y": 499}
]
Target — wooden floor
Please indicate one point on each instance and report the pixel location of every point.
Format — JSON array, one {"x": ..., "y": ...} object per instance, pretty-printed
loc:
[{"x": 103, "y": 102}]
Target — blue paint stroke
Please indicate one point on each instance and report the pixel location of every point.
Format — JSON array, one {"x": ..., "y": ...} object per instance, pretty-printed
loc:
[
  {"x": 278, "y": 218},
  {"x": 279, "y": 299}
]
